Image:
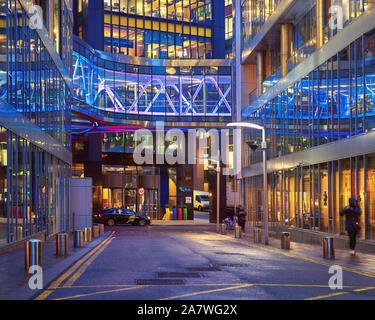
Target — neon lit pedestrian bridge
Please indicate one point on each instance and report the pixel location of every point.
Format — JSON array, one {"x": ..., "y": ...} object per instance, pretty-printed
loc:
[{"x": 122, "y": 87}]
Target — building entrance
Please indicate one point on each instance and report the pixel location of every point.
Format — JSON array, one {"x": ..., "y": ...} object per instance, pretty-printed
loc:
[{"x": 144, "y": 201}]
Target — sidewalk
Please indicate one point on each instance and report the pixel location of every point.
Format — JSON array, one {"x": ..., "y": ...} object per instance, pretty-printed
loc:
[
  {"x": 14, "y": 279},
  {"x": 195, "y": 222},
  {"x": 361, "y": 261}
]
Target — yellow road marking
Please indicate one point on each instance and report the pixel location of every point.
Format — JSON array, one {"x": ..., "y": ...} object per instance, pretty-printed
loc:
[
  {"x": 44, "y": 294},
  {"x": 84, "y": 266},
  {"x": 364, "y": 289},
  {"x": 207, "y": 291},
  {"x": 327, "y": 296},
  {"x": 98, "y": 286},
  {"x": 363, "y": 273},
  {"x": 99, "y": 292},
  {"x": 55, "y": 284},
  {"x": 340, "y": 293},
  {"x": 213, "y": 285}
]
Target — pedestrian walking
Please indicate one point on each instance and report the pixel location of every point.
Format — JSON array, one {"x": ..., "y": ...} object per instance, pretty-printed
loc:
[
  {"x": 352, "y": 213},
  {"x": 241, "y": 217}
]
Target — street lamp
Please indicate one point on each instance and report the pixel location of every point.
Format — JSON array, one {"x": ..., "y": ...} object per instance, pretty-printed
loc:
[
  {"x": 217, "y": 170},
  {"x": 264, "y": 149}
]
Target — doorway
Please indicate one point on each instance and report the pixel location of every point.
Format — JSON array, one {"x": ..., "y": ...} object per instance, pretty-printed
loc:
[{"x": 130, "y": 198}]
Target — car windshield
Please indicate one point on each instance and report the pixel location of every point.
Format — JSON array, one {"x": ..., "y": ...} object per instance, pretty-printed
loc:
[{"x": 205, "y": 198}]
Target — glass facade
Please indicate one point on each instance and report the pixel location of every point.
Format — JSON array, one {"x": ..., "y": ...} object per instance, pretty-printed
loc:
[
  {"x": 228, "y": 29},
  {"x": 31, "y": 81},
  {"x": 254, "y": 14},
  {"x": 151, "y": 91},
  {"x": 304, "y": 34},
  {"x": 34, "y": 190},
  {"x": 34, "y": 153},
  {"x": 311, "y": 197},
  {"x": 173, "y": 29},
  {"x": 335, "y": 101}
]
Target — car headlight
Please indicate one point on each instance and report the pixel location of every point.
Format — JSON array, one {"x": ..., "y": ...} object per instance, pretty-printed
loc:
[{"x": 148, "y": 218}]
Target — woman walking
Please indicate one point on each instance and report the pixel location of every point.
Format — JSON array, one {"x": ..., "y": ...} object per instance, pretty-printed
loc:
[
  {"x": 241, "y": 217},
  {"x": 352, "y": 213}
]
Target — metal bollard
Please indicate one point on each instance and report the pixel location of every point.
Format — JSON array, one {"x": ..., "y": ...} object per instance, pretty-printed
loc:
[
  {"x": 257, "y": 235},
  {"x": 33, "y": 253},
  {"x": 88, "y": 235},
  {"x": 223, "y": 228},
  {"x": 285, "y": 240},
  {"x": 95, "y": 231},
  {"x": 62, "y": 244},
  {"x": 78, "y": 239},
  {"x": 101, "y": 229},
  {"x": 237, "y": 232},
  {"x": 328, "y": 248}
]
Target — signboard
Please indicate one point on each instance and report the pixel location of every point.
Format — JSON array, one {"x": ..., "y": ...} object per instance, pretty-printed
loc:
[{"x": 188, "y": 200}]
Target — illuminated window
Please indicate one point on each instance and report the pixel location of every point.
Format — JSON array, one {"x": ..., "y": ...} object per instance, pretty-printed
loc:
[
  {"x": 163, "y": 9},
  {"x": 140, "y": 43},
  {"x": 148, "y": 38},
  {"x": 147, "y": 8}
]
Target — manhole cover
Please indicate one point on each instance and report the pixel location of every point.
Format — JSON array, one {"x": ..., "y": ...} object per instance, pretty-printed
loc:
[
  {"x": 204, "y": 269},
  {"x": 230, "y": 265},
  {"x": 230, "y": 253},
  {"x": 179, "y": 275},
  {"x": 160, "y": 282}
]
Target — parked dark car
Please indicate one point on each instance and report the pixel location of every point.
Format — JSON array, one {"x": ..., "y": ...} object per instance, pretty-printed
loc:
[{"x": 114, "y": 216}]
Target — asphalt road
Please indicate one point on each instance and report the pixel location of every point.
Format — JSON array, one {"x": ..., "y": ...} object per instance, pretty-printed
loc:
[{"x": 156, "y": 262}]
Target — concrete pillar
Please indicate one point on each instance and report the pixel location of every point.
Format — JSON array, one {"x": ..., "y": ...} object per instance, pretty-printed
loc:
[
  {"x": 319, "y": 23},
  {"x": 286, "y": 46}
]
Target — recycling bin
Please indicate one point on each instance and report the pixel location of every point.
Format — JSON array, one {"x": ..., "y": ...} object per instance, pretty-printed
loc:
[{"x": 179, "y": 213}]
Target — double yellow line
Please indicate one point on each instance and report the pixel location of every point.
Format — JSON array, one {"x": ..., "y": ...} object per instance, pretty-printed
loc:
[{"x": 77, "y": 269}]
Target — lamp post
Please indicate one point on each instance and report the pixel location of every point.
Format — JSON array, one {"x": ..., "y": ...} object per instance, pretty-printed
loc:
[
  {"x": 264, "y": 149},
  {"x": 217, "y": 170}
]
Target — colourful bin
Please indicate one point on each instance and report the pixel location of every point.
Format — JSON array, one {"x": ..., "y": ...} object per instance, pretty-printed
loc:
[
  {"x": 174, "y": 213},
  {"x": 185, "y": 213},
  {"x": 167, "y": 215},
  {"x": 179, "y": 213}
]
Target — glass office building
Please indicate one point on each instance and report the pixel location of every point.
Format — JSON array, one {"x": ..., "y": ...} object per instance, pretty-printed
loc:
[
  {"x": 114, "y": 95},
  {"x": 173, "y": 29},
  {"x": 136, "y": 63},
  {"x": 319, "y": 113},
  {"x": 151, "y": 89},
  {"x": 35, "y": 116}
]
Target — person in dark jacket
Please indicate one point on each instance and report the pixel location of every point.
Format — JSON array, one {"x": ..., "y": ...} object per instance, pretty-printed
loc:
[
  {"x": 241, "y": 217},
  {"x": 352, "y": 213}
]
